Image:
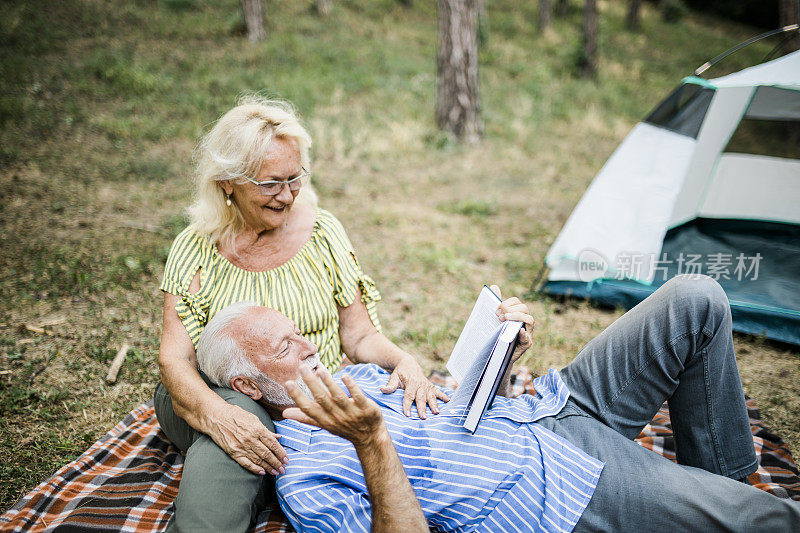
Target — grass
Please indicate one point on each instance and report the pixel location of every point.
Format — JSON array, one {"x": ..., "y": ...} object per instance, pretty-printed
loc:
[{"x": 101, "y": 103}]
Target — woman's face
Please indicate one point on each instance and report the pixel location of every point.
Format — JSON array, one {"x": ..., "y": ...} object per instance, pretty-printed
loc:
[{"x": 281, "y": 162}]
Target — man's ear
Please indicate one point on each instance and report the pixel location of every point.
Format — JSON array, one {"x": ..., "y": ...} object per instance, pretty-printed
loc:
[
  {"x": 246, "y": 386},
  {"x": 226, "y": 186}
]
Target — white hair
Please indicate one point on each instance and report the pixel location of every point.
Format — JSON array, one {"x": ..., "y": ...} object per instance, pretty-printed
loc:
[
  {"x": 221, "y": 358},
  {"x": 219, "y": 355},
  {"x": 233, "y": 149}
]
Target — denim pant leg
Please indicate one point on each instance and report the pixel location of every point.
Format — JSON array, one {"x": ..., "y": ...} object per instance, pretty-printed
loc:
[
  {"x": 639, "y": 490},
  {"x": 215, "y": 493},
  {"x": 677, "y": 346}
]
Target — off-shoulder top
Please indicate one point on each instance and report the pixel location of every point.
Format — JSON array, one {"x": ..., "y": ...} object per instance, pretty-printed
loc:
[{"x": 307, "y": 288}]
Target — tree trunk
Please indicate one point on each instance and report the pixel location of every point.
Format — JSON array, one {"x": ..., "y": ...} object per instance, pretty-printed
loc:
[
  {"x": 407, "y": 3},
  {"x": 544, "y": 14},
  {"x": 588, "y": 62},
  {"x": 324, "y": 7},
  {"x": 669, "y": 10},
  {"x": 790, "y": 14},
  {"x": 632, "y": 20},
  {"x": 457, "y": 100},
  {"x": 562, "y": 7},
  {"x": 254, "y": 19}
]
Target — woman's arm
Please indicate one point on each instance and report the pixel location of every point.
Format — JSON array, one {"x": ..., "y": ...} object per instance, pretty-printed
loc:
[
  {"x": 363, "y": 343},
  {"x": 239, "y": 433}
]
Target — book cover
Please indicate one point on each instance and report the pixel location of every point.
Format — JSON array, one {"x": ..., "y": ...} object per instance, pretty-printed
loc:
[{"x": 480, "y": 358}]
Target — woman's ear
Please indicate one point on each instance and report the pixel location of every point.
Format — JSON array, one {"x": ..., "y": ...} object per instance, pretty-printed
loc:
[
  {"x": 226, "y": 186},
  {"x": 246, "y": 386}
]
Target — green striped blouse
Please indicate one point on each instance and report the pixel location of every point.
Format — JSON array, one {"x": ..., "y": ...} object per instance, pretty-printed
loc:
[{"x": 307, "y": 288}]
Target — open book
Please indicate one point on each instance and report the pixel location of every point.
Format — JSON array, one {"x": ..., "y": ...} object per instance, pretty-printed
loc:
[{"x": 481, "y": 357}]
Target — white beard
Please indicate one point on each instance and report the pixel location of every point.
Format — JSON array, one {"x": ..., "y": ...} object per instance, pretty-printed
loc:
[{"x": 275, "y": 394}]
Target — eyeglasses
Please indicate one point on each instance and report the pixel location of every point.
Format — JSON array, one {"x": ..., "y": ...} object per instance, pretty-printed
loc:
[{"x": 273, "y": 188}]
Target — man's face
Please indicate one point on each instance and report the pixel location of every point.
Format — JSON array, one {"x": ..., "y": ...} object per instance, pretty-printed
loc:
[{"x": 276, "y": 347}]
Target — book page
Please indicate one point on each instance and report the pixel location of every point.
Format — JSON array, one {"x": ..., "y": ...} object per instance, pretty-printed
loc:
[
  {"x": 499, "y": 360},
  {"x": 466, "y": 387},
  {"x": 481, "y": 327}
]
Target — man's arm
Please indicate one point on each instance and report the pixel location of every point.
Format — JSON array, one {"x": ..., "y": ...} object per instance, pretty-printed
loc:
[
  {"x": 514, "y": 309},
  {"x": 358, "y": 419},
  {"x": 394, "y": 504}
]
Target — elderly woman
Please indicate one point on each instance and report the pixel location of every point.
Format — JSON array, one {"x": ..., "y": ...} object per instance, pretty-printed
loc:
[{"x": 256, "y": 234}]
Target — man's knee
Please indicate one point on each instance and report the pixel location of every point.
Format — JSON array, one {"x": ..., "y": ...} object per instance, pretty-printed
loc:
[
  {"x": 248, "y": 404},
  {"x": 703, "y": 294},
  {"x": 174, "y": 427},
  {"x": 208, "y": 473}
]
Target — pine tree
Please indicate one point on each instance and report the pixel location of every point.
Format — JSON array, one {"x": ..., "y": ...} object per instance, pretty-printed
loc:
[
  {"x": 253, "y": 13},
  {"x": 458, "y": 108}
]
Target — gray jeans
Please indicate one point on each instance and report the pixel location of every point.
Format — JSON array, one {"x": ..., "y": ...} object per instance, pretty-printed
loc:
[
  {"x": 215, "y": 494},
  {"x": 675, "y": 346}
]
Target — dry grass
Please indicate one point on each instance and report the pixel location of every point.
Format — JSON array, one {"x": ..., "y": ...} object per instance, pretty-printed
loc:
[{"x": 101, "y": 102}]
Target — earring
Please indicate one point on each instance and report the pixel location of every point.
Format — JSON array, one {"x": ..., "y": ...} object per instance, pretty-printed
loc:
[{"x": 228, "y": 200}]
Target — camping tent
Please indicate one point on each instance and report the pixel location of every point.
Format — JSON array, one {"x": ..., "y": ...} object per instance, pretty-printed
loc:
[{"x": 709, "y": 183}]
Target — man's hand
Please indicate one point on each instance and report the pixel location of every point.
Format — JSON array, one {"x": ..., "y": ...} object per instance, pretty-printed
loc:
[
  {"x": 514, "y": 309},
  {"x": 242, "y": 436},
  {"x": 357, "y": 418},
  {"x": 408, "y": 375}
]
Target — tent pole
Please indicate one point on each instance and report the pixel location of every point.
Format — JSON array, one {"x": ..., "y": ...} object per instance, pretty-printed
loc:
[{"x": 708, "y": 64}]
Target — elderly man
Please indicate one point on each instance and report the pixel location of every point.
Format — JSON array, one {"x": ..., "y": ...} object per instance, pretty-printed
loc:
[{"x": 559, "y": 460}]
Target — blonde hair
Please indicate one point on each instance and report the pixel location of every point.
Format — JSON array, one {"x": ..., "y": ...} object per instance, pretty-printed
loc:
[{"x": 234, "y": 149}]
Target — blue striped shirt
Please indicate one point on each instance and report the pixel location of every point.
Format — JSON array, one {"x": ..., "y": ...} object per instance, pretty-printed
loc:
[{"x": 511, "y": 475}]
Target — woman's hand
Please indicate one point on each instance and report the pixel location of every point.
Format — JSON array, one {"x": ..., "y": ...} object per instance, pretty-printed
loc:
[
  {"x": 514, "y": 309},
  {"x": 408, "y": 375},
  {"x": 365, "y": 344},
  {"x": 242, "y": 435}
]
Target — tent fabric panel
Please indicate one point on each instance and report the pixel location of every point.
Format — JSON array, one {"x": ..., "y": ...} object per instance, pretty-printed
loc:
[
  {"x": 773, "y": 103},
  {"x": 723, "y": 116},
  {"x": 628, "y": 204},
  {"x": 565, "y": 268},
  {"x": 684, "y": 110},
  {"x": 765, "y": 323},
  {"x": 784, "y": 72},
  {"x": 754, "y": 187},
  {"x": 771, "y": 138},
  {"x": 627, "y": 294},
  {"x": 757, "y": 263}
]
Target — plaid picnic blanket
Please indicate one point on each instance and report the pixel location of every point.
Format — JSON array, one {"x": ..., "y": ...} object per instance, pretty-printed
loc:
[{"x": 128, "y": 479}]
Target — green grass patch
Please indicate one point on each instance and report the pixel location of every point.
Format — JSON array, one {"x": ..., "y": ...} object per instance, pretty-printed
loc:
[{"x": 475, "y": 208}]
